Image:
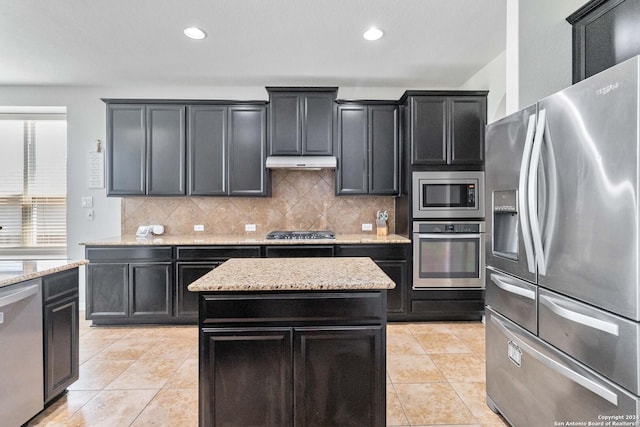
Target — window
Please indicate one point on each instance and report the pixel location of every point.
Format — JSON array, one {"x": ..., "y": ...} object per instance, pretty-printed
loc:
[{"x": 33, "y": 201}]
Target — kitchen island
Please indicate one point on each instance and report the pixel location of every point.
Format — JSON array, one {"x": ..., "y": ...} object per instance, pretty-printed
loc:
[{"x": 293, "y": 341}]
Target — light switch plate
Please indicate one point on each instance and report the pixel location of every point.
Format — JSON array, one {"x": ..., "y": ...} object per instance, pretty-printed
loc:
[
  {"x": 367, "y": 227},
  {"x": 250, "y": 227},
  {"x": 198, "y": 227},
  {"x": 90, "y": 215}
]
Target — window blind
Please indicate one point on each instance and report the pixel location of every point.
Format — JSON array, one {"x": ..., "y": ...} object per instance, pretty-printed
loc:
[{"x": 33, "y": 183}]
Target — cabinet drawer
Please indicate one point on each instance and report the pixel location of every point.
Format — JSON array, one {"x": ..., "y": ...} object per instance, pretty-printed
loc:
[
  {"x": 201, "y": 253},
  {"x": 375, "y": 252},
  {"x": 127, "y": 254},
  {"x": 513, "y": 298},
  {"x": 298, "y": 251},
  {"x": 292, "y": 308},
  {"x": 64, "y": 283},
  {"x": 583, "y": 332}
]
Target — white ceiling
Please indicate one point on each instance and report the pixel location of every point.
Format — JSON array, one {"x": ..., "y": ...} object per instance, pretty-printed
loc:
[{"x": 427, "y": 43}]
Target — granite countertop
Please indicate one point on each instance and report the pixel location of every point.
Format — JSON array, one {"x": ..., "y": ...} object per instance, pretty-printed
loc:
[
  {"x": 294, "y": 274},
  {"x": 245, "y": 239},
  {"x": 15, "y": 271}
]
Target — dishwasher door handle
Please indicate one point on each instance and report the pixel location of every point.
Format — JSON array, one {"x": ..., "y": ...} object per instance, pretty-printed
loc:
[{"x": 18, "y": 295}]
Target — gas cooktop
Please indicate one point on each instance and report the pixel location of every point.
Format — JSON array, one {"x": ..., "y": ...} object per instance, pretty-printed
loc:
[{"x": 300, "y": 235}]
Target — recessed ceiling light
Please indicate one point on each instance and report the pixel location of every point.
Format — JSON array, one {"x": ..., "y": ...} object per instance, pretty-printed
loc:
[
  {"x": 373, "y": 33},
  {"x": 195, "y": 33}
]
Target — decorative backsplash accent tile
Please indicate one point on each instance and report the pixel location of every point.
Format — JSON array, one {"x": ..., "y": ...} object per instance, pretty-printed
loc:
[{"x": 301, "y": 200}]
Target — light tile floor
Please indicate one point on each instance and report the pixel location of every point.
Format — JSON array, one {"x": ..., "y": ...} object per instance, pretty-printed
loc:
[{"x": 148, "y": 376}]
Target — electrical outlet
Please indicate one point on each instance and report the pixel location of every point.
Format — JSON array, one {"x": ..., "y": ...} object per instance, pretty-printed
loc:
[
  {"x": 367, "y": 227},
  {"x": 90, "y": 215},
  {"x": 198, "y": 227},
  {"x": 249, "y": 227},
  {"x": 87, "y": 202}
]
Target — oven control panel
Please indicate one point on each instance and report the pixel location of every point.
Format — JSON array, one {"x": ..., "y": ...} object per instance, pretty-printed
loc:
[{"x": 442, "y": 227}]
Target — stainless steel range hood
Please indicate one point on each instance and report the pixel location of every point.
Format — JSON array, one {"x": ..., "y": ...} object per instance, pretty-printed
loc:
[{"x": 301, "y": 162}]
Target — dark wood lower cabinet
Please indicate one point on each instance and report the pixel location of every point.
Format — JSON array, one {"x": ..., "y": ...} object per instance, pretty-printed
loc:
[
  {"x": 336, "y": 376},
  {"x": 61, "y": 332},
  {"x": 249, "y": 377},
  {"x": 304, "y": 361},
  {"x": 186, "y": 302},
  {"x": 150, "y": 290}
]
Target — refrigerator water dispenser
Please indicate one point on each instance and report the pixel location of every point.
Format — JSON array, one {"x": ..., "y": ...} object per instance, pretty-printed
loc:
[{"x": 505, "y": 224}]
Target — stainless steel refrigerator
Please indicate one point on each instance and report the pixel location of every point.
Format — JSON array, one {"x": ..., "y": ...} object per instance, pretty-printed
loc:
[{"x": 562, "y": 255}]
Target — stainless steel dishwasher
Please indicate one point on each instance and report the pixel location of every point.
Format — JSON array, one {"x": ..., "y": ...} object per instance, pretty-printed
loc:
[{"x": 21, "y": 357}]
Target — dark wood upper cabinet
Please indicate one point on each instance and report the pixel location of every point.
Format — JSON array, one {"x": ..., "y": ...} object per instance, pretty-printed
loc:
[
  {"x": 301, "y": 121},
  {"x": 207, "y": 150},
  {"x": 446, "y": 128},
  {"x": 146, "y": 150},
  {"x": 605, "y": 33},
  {"x": 368, "y": 148},
  {"x": 126, "y": 160},
  {"x": 166, "y": 150},
  {"x": 173, "y": 148},
  {"x": 247, "y": 151}
]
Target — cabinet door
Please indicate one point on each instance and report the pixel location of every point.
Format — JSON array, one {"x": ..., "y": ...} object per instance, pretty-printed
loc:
[
  {"x": 285, "y": 124},
  {"x": 247, "y": 151},
  {"x": 166, "y": 150},
  {"x": 107, "y": 290},
  {"x": 428, "y": 130},
  {"x": 126, "y": 150},
  {"x": 207, "y": 150},
  {"x": 468, "y": 119},
  {"x": 317, "y": 123},
  {"x": 396, "y": 297},
  {"x": 245, "y": 377},
  {"x": 384, "y": 149},
  {"x": 353, "y": 170},
  {"x": 61, "y": 346},
  {"x": 324, "y": 395},
  {"x": 187, "y": 273},
  {"x": 150, "y": 290}
]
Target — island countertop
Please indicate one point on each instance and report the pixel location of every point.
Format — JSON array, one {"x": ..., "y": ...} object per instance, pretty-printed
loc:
[
  {"x": 15, "y": 271},
  {"x": 298, "y": 274}
]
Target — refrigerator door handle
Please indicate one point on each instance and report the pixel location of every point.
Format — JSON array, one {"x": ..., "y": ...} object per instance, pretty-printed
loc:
[
  {"x": 522, "y": 195},
  {"x": 513, "y": 289},
  {"x": 532, "y": 193},
  {"x": 560, "y": 368},
  {"x": 591, "y": 322}
]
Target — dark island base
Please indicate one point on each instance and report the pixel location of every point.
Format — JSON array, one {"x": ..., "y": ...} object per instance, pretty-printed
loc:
[{"x": 292, "y": 358}]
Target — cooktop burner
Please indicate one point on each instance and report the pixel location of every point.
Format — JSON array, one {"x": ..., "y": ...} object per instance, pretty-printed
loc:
[{"x": 300, "y": 235}]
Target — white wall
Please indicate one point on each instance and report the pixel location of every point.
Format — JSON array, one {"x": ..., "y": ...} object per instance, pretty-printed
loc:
[
  {"x": 544, "y": 48},
  {"x": 491, "y": 77}
]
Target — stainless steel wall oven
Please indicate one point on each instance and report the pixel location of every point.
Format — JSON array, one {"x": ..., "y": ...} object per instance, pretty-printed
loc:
[{"x": 448, "y": 254}]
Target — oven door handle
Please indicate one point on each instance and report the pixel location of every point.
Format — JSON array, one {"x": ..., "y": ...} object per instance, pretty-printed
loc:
[{"x": 447, "y": 236}]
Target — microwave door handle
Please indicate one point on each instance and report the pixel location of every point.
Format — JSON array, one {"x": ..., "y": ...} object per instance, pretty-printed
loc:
[
  {"x": 522, "y": 195},
  {"x": 532, "y": 191}
]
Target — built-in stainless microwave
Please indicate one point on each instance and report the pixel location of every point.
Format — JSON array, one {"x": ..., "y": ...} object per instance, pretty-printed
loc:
[{"x": 448, "y": 194}]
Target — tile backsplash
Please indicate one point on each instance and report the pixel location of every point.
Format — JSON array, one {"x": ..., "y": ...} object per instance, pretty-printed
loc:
[{"x": 301, "y": 200}]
